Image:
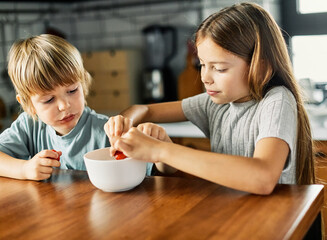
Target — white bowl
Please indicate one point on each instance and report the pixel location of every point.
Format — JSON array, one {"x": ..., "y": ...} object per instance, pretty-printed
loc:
[{"x": 111, "y": 175}]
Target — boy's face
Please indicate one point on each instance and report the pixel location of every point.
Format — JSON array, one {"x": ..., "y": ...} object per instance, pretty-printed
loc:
[{"x": 60, "y": 108}]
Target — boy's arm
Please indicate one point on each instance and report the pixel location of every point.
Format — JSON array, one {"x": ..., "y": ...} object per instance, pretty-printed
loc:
[
  {"x": 11, "y": 167},
  {"x": 37, "y": 168}
]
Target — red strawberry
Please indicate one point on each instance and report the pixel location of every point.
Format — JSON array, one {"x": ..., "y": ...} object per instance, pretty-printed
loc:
[
  {"x": 58, "y": 154},
  {"x": 119, "y": 155}
]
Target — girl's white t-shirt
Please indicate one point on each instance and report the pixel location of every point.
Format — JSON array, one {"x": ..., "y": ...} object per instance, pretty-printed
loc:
[{"x": 235, "y": 128}]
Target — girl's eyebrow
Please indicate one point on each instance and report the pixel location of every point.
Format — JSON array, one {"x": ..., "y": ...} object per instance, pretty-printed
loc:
[{"x": 216, "y": 62}]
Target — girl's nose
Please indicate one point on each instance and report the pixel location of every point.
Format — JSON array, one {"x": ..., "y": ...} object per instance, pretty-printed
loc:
[
  {"x": 205, "y": 77},
  {"x": 63, "y": 104}
]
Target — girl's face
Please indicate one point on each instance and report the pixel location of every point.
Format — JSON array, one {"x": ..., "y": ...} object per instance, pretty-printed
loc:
[
  {"x": 224, "y": 74},
  {"x": 60, "y": 108}
]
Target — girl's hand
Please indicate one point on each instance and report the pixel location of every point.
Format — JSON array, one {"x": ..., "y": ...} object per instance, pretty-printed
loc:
[
  {"x": 116, "y": 127},
  {"x": 137, "y": 145},
  {"x": 40, "y": 166},
  {"x": 154, "y": 131}
]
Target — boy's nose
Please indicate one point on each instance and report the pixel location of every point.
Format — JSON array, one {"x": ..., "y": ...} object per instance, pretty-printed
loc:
[{"x": 63, "y": 105}]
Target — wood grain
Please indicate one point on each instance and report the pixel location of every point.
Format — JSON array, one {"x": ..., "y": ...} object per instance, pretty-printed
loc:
[
  {"x": 320, "y": 165},
  {"x": 68, "y": 206}
]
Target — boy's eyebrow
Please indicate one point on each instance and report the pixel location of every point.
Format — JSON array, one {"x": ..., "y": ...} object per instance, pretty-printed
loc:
[{"x": 43, "y": 94}]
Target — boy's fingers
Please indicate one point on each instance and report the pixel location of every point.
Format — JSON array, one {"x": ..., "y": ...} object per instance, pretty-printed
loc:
[
  {"x": 48, "y": 162},
  {"x": 46, "y": 170},
  {"x": 43, "y": 176}
]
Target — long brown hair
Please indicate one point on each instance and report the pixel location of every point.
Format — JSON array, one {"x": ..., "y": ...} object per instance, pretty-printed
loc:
[{"x": 248, "y": 31}]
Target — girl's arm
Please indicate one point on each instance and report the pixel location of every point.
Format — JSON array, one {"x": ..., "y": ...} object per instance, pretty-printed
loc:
[
  {"x": 37, "y": 168},
  {"x": 136, "y": 114},
  {"x": 159, "y": 113},
  {"x": 258, "y": 174},
  {"x": 117, "y": 126}
]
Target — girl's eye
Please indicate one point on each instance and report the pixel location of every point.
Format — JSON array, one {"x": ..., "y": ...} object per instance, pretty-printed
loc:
[{"x": 220, "y": 70}]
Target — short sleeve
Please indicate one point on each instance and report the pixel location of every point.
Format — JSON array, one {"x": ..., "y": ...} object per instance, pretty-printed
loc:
[
  {"x": 195, "y": 110},
  {"x": 14, "y": 140},
  {"x": 279, "y": 119}
]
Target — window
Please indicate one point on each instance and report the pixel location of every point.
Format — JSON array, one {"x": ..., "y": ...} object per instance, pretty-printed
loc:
[
  {"x": 307, "y": 38},
  {"x": 309, "y": 57},
  {"x": 312, "y": 6}
]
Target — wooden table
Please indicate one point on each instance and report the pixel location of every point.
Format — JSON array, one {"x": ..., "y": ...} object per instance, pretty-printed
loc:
[{"x": 68, "y": 206}]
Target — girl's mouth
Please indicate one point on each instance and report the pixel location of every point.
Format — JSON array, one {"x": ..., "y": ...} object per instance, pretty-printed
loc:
[{"x": 212, "y": 93}]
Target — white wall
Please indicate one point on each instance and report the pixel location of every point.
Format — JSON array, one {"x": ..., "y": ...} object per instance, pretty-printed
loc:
[{"x": 106, "y": 28}]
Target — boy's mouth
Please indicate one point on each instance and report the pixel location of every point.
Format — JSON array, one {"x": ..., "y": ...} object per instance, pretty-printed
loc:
[{"x": 68, "y": 118}]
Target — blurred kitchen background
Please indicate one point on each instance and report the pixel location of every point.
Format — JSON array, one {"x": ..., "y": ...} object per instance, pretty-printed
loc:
[{"x": 140, "y": 51}]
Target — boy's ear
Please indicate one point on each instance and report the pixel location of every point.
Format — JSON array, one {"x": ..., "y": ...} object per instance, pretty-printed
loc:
[
  {"x": 31, "y": 109},
  {"x": 18, "y": 99}
]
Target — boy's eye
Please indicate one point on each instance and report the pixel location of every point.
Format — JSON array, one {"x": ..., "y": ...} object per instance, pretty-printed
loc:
[
  {"x": 49, "y": 101},
  {"x": 72, "y": 91}
]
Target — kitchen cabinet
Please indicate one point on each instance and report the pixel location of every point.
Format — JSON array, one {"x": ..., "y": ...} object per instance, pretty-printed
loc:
[
  {"x": 196, "y": 143},
  {"x": 115, "y": 76},
  {"x": 320, "y": 157}
]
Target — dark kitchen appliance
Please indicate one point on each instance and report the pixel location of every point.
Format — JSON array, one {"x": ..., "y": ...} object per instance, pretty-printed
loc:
[{"x": 159, "y": 83}]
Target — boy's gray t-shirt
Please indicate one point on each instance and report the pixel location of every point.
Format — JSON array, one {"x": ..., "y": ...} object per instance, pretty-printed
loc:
[
  {"x": 235, "y": 128},
  {"x": 27, "y": 137}
]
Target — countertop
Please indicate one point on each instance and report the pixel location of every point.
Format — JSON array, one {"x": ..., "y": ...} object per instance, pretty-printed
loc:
[{"x": 188, "y": 129}]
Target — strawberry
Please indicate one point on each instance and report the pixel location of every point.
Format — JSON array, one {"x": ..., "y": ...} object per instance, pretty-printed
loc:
[
  {"x": 58, "y": 159},
  {"x": 119, "y": 155}
]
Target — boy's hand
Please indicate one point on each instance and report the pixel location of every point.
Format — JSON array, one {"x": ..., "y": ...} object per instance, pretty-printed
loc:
[{"x": 40, "y": 166}]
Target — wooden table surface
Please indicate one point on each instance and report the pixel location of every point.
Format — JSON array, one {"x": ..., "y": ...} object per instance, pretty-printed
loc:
[{"x": 68, "y": 206}]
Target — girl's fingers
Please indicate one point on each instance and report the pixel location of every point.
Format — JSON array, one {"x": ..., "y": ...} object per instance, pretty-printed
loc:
[
  {"x": 146, "y": 129},
  {"x": 111, "y": 126},
  {"x": 112, "y": 151},
  {"x": 106, "y": 128},
  {"x": 128, "y": 123},
  {"x": 118, "y": 125},
  {"x": 162, "y": 135},
  {"x": 155, "y": 133}
]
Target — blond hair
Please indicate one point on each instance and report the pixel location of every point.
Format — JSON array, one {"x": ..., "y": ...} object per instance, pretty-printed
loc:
[
  {"x": 41, "y": 63},
  {"x": 248, "y": 31}
]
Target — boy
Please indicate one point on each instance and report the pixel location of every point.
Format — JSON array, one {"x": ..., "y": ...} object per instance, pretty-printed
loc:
[{"x": 51, "y": 85}]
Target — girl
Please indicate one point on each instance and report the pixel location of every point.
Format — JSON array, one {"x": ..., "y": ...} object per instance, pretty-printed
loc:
[{"x": 252, "y": 110}]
